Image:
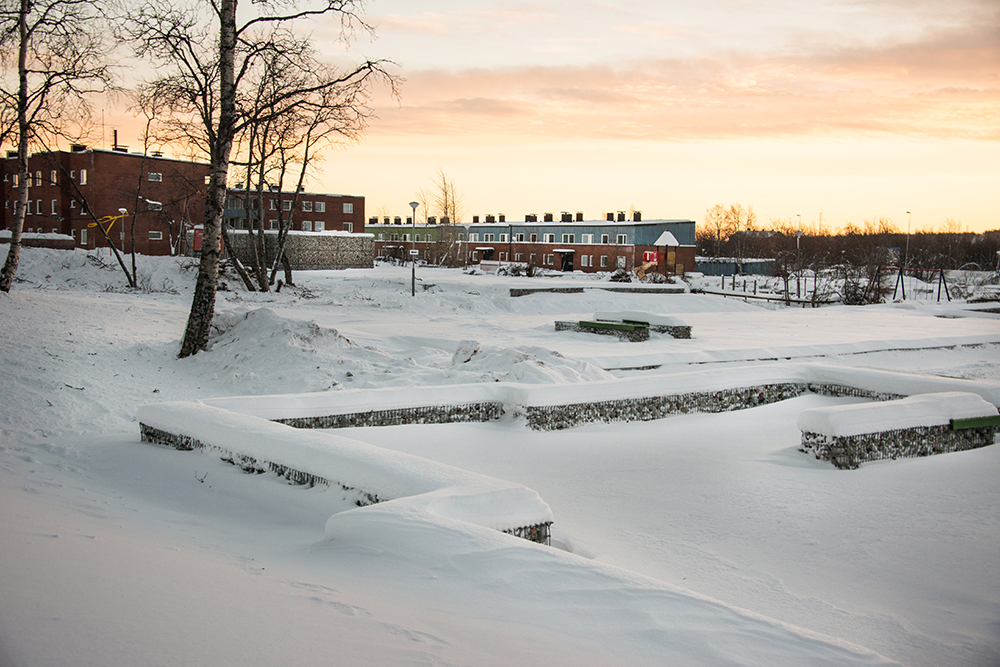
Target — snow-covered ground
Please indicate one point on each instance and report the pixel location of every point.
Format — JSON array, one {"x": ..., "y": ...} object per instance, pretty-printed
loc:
[{"x": 701, "y": 539}]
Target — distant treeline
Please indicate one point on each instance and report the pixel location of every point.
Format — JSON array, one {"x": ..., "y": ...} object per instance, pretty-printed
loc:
[{"x": 732, "y": 232}]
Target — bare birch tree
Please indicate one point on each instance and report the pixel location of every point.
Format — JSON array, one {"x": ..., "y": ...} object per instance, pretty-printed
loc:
[
  {"x": 210, "y": 57},
  {"x": 61, "y": 58}
]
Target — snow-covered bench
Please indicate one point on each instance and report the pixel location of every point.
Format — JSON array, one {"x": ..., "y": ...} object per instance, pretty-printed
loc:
[
  {"x": 667, "y": 324},
  {"x": 630, "y": 325},
  {"x": 634, "y": 332},
  {"x": 921, "y": 425}
]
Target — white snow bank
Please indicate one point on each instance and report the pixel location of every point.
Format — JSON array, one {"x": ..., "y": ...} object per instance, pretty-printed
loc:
[
  {"x": 639, "y": 316},
  {"x": 650, "y": 621},
  {"x": 922, "y": 410},
  {"x": 425, "y": 485}
]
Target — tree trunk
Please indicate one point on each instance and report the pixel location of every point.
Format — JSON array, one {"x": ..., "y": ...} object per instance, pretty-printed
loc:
[
  {"x": 14, "y": 253},
  {"x": 237, "y": 264},
  {"x": 203, "y": 303}
]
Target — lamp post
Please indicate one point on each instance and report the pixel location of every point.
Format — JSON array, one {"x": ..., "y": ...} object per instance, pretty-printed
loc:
[
  {"x": 798, "y": 260},
  {"x": 906, "y": 257},
  {"x": 413, "y": 248}
]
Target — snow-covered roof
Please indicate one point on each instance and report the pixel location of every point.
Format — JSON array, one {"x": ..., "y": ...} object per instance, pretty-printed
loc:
[{"x": 666, "y": 239}]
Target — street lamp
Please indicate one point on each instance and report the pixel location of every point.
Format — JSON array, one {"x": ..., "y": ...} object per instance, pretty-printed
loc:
[
  {"x": 798, "y": 259},
  {"x": 906, "y": 257},
  {"x": 413, "y": 248}
]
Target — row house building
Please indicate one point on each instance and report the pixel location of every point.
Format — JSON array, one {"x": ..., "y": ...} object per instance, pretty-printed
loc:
[
  {"x": 571, "y": 244},
  {"x": 78, "y": 192}
]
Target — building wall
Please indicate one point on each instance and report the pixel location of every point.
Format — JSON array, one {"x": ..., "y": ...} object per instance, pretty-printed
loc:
[{"x": 73, "y": 188}]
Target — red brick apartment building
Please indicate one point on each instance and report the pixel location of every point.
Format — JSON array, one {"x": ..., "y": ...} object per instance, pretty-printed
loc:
[
  {"x": 70, "y": 190},
  {"x": 308, "y": 212}
]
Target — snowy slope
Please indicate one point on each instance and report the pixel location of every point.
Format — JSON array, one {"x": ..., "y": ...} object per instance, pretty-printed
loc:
[{"x": 704, "y": 539}]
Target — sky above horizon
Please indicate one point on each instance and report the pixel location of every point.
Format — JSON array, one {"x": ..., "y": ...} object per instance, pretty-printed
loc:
[{"x": 845, "y": 109}]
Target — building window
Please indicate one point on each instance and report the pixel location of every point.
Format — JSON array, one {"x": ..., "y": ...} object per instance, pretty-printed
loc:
[
  {"x": 52, "y": 177},
  {"x": 155, "y": 177},
  {"x": 520, "y": 238},
  {"x": 38, "y": 178},
  {"x": 307, "y": 206},
  {"x": 550, "y": 260},
  {"x": 286, "y": 205},
  {"x": 475, "y": 256},
  {"x": 381, "y": 236},
  {"x": 503, "y": 238},
  {"x": 583, "y": 260},
  {"x": 38, "y": 207},
  {"x": 307, "y": 226},
  {"x": 569, "y": 238},
  {"x": 321, "y": 207},
  {"x": 55, "y": 231},
  {"x": 532, "y": 260},
  {"x": 488, "y": 238},
  {"x": 154, "y": 205},
  {"x": 622, "y": 239},
  {"x": 72, "y": 175},
  {"x": 518, "y": 257},
  {"x": 348, "y": 208},
  {"x": 55, "y": 206},
  {"x": 587, "y": 238},
  {"x": 415, "y": 238},
  {"x": 27, "y": 211},
  {"x": 274, "y": 204},
  {"x": 473, "y": 238},
  {"x": 83, "y": 237},
  {"x": 550, "y": 238},
  {"x": 604, "y": 260},
  {"x": 534, "y": 238},
  {"x": 272, "y": 224},
  {"x": 318, "y": 225},
  {"x": 156, "y": 236},
  {"x": 604, "y": 239},
  {"x": 406, "y": 238},
  {"x": 13, "y": 179},
  {"x": 621, "y": 262},
  {"x": 83, "y": 177}
]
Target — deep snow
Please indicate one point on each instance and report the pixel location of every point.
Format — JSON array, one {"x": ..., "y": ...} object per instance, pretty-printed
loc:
[{"x": 116, "y": 552}]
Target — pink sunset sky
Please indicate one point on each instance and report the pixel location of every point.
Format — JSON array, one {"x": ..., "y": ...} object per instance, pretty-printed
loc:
[{"x": 854, "y": 108}]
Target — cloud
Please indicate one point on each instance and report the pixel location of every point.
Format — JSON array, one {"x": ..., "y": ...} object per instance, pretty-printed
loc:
[{"x": 945, "y": 84}]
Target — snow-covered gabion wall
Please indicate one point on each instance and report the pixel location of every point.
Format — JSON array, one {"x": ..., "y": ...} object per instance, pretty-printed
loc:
[
  {"x": 849, "y": 452},
  {"x": 430, "y": 414},
  {"x": 839, "y": 390},
  {"x": 313, "y": 251},
  {"x": 555, "y": 417},
  {"x": 920, "y": 425},
  {"x": 396, "y": 482}
]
